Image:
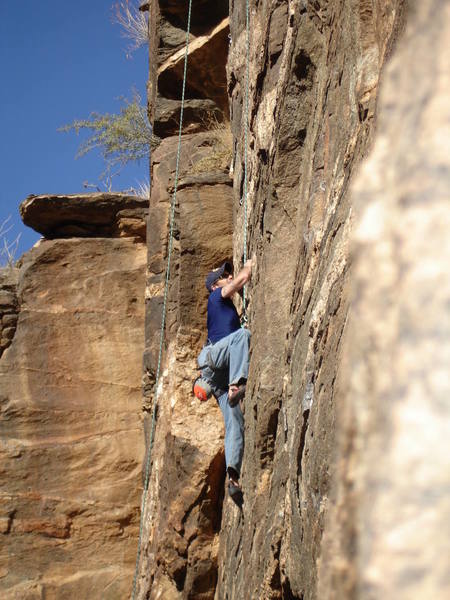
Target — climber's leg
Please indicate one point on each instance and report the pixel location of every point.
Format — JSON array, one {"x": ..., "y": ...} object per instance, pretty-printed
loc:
[
  {"x": 234, "y": 433},
  {"x": 231, "y": 352},
  {"x": 239, "y": 356},
  {"x": 217, "y": 355},
  {"x": 203, "y": 359}
]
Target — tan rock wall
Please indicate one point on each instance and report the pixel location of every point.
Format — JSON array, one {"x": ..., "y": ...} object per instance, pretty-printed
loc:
[
  {"x": 8, "y": 306},
  {"x": 71, "y": 445},
  {"x": 184, "y": 503},
  {"x": 388, "y": 533}
]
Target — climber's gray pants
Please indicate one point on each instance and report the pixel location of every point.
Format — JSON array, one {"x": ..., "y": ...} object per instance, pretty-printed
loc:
[
  {"x": 234, "y": 432},
  {"x": 223, "y": 363},
  {"x": 230, "y": 353}
]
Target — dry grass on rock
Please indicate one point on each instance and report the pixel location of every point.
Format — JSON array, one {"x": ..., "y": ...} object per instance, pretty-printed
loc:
[{"x": 221, "y": 154}]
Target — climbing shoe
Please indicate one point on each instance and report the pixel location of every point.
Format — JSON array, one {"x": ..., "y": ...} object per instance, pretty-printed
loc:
[
  {"x": 235, "y": 394},
  {"x": 235, "y": 490},
  {"x": 202, "y": 389}
]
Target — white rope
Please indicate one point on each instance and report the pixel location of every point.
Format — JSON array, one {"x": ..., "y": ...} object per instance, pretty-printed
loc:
[{"x": 164, "y": 313}]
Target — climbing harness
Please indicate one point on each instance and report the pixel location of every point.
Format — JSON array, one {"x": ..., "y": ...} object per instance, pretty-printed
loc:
[{"x": 163, "y": 321}]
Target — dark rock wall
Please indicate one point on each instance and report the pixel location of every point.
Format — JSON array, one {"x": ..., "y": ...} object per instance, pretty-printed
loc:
[
  {"x": 315, "y": 69},
  {"x": 314, "y": 78}
]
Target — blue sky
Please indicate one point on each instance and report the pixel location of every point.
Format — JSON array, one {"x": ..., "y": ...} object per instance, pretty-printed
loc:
[{"x": 59, "y": 61}]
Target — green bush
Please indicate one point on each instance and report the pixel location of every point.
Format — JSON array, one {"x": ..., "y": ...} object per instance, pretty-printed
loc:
[{"x": 121, "y": 138}]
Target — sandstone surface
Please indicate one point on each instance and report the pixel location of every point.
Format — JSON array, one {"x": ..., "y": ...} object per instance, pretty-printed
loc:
[
  {"x": 196, "y": 115},
  {"x": 184, "y": 504},
  {"x": 206, "y": 85},
  {"x": 388, "y": 534},
  {"x": 207, "y": 72},
  {"x": 8, "y": 306},
  {"x": 86, "y": 215},
  {"x": 313, "y": 88},
  {"x": 314, "y": 73},
  {"x": 345, "y": 472},
  {"x": 181, "y": 521},
  {"x": 71, "y": 446}
]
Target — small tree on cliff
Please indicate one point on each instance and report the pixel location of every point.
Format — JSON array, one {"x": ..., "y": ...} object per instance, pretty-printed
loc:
[
  {"x": 127, "y": 136},
  {"x": 8, "y": 247},
  {"x": 121, "y": 138}
]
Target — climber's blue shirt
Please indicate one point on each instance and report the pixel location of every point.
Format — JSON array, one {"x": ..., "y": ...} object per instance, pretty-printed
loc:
[{"x": 223, "y": 318}]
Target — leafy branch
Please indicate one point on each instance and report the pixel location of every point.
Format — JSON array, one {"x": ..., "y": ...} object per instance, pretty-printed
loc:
[{"x": 121, "y": 138}]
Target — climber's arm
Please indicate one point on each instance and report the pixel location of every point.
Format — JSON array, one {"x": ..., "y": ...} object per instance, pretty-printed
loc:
[{"x": 239, "y": 281}]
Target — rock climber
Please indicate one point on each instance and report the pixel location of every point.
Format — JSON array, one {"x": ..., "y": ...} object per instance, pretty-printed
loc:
[{"x": 224, "y": 362}]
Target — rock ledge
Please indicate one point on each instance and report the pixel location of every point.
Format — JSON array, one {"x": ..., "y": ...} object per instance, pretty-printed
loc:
[{"x": 86, "y": 215}]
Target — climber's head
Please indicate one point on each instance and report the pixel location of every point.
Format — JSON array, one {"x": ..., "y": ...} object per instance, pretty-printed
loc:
[{"x": 219, "y": 277}]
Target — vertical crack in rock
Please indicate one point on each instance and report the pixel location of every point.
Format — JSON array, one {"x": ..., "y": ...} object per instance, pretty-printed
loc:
[
  {"x": 301, "y": 448},
  {"x": 9, "y": 306}
]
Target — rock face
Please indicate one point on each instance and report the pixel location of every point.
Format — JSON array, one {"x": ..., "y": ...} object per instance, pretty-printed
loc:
[
  {"x": 8, "y": 306},
  {"x": 345, "y": 470},
  {"x": 184, "y": 503},
  {"x": 394, "y": 469},
  {"x": 70, "y": 396},
  {"x": 86, "y": 215},
  {"x": 206, "y": 87},
  {"x": 196, "y": 114},
  {"x": 314, "y": 74},
  {"x": 182, "y": 520}
]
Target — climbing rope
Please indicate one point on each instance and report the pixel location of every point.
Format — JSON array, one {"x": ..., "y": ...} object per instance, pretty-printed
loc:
[
  {"x": 246, "y": 102},
  {"x": 163, "y": 320},
  {"x": 169, "y": 256}
]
